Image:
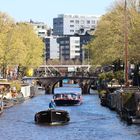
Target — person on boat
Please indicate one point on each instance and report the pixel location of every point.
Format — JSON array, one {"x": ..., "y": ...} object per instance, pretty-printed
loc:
[{"x": 52, "y": 104}]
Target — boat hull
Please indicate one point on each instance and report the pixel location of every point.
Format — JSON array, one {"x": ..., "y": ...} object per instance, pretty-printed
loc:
[
  {"x": 67, "y": 99},
  {"x": 52, "y": 117},
  {"x": 67, "y": 102}
]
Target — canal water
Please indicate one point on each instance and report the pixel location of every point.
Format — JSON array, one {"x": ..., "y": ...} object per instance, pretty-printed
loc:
[{"x": 89, "y": 121}]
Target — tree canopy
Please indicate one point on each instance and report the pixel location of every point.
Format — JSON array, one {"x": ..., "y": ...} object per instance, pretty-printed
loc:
[
  {"x": 108, "y": 44},
  {"x": 19, "y": 44}
]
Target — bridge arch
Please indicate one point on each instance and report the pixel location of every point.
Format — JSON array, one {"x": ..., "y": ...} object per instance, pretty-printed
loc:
[
  {"x": 85, "y": 85},
  {"x": 61, "y": 82},
  {"x": 49, "y": 83}
]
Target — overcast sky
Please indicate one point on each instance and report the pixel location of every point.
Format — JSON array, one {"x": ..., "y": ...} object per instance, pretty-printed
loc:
[{"x": 46, "y": 10}]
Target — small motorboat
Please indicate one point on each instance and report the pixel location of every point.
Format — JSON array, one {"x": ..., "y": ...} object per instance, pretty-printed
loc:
[
  {"x": 68, "y": 99},
  {"x": 52, "y": 117}
]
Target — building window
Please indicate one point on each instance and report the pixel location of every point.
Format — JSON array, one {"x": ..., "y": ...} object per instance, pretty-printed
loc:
[
  {"x": 77, "y": 46},
  {"x": 72, "y": 21},
  {"x": 66, "y": 51},
  {"x": 77, "y": 31},
  {"x": 71, "y": 25},
  {"x": 82, "y": 21},
  {"x": 77, "y": 51},
  {"x": 93, "y": 26},
  {"x": 88, "y": 21},
  {"x": 67, "y": 42},
  {"x": 62, "y": 42},
  {"x": 76, "y": 41},
  {"x": 77, "y": 21},
  {"x": 67, "y": 47},
  {"x": 93, "y": 21},
  {"x": 71, "y": 30}
]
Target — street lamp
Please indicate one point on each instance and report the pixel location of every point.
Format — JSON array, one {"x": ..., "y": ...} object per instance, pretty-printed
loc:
[
  {"x": 88, "y": 57},
  {"x": 45, "y": 63},
  {"x": 126, "y": 42}
]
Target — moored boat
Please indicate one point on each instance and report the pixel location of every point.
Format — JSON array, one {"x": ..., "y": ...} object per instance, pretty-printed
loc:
[
  {"x": 1, "y": 107},
  {"x": 70, "y": 98},
  {"x": 52, "y": 117}
]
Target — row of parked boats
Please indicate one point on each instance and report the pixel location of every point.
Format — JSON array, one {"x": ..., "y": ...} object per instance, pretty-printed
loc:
[
  {"x": 10, "y": 97},
  {"x": 125, "y": 101}
]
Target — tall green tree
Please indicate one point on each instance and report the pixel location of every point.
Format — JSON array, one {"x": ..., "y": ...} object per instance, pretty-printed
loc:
[
  {"x": 19, "y": 44},
  {"x": 30, "y": 46},
  {"x": 108, "y": 44},
  {"x": 6, "y": 27}
]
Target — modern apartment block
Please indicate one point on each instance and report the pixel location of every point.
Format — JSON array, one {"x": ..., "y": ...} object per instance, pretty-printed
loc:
[
  {"x": 52, "y": 48},
  {"x": 70, "y": 34},
  {"x": 73, "y": 24},
  {"x": 63, "y": 48},
  {"x": 40, "y": 28},
  {"x": 69, "y": 48}
]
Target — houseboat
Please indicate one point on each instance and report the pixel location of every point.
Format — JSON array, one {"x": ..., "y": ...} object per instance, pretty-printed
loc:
[
  {"x": 70, "y": 98},
  {"x": 52, "y": 117}
]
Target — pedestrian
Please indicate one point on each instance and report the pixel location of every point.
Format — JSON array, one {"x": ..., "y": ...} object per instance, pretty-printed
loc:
[{"x": 52, "y": 104}]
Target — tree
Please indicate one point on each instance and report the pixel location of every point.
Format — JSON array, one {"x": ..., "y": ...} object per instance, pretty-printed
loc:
[
  {"x": 31, "y": 46},
  {"x": 6, "y": 27},
  {"x": 19, "y": 44},
  {"x": 108, "y": 44}
]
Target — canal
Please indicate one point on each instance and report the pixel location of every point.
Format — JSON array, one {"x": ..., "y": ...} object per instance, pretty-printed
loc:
[{"x": 89, "y": 121}]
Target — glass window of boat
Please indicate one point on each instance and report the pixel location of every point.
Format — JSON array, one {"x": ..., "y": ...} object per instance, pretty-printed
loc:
[
  {"x": 73, "y": 96},
  {"x": 58, "y": 96},
  {"x": 69, "y": 96}
]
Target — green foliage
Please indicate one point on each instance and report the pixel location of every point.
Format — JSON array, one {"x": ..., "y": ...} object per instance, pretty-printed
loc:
[
  {"x": 101, "y": 92},
  {"x": 108, "y": 44},
  {"x": 19, "y": 44},
  {"x": 119, "y": 75},
  {"x": 102, "y": 76},
  {"x": 31, "y": 46},
  {"x": 106, "y": 76}
]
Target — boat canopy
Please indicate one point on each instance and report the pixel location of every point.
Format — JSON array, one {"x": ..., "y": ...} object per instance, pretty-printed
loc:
[{"x": 68, "y": 93}]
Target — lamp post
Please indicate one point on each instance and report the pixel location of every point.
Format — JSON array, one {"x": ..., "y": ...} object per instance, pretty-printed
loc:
[
  {"x": 45, "y": 63},
  {"x": 126, "y": 43},
  {"x": 88, "y": 56}
]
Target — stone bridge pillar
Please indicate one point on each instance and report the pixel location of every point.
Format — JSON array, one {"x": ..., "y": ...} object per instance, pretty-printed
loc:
[
  {"x": 84, "y": 87},
  {"x": 47, "y": 86},
  {"x": 47, "y": 89},
  {"x": 61, "y": 83}
]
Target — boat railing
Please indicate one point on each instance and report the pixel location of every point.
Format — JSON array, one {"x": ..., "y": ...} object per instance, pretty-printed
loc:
[{"x": 70, "y": 96}]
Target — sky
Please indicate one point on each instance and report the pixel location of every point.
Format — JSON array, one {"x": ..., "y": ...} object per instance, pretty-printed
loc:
[{"x": 46, "y": 10}]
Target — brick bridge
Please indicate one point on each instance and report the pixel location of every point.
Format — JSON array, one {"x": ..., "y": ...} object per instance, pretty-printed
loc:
[{"x": 49, "y": 83}]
